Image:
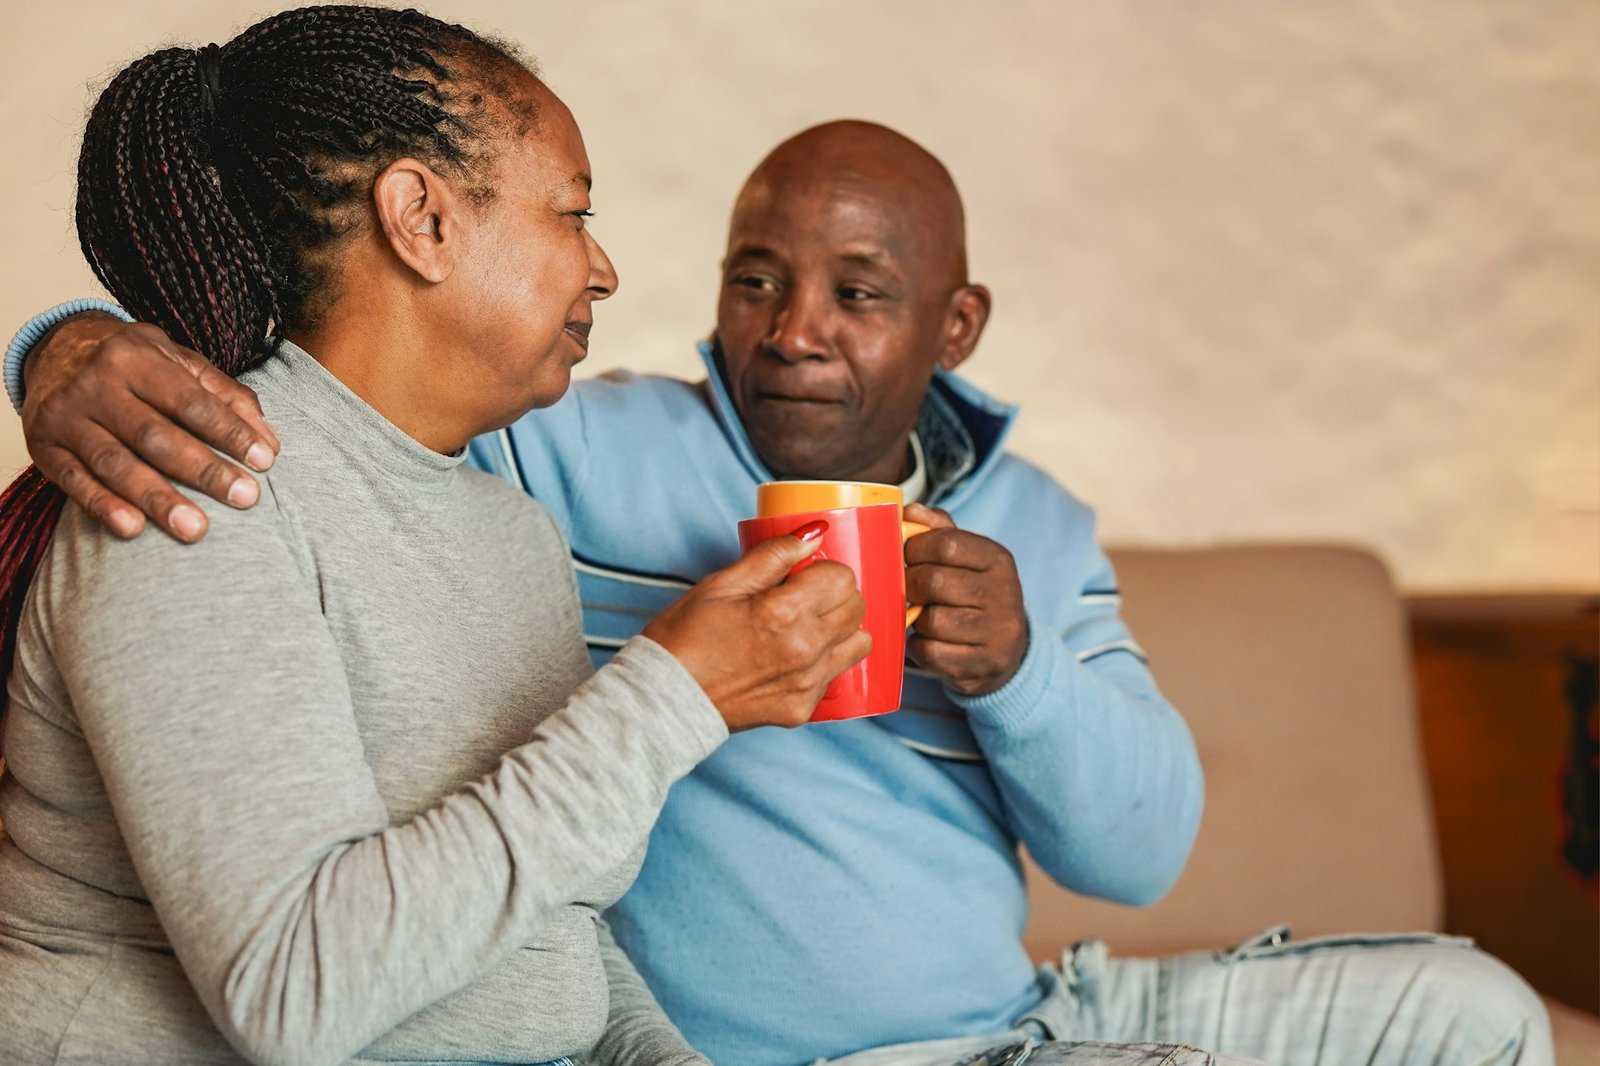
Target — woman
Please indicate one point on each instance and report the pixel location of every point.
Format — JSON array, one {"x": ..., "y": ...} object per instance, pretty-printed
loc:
[{"x": 379, "y": 808}]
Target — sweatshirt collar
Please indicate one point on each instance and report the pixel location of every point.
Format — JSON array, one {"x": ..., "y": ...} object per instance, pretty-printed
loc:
[{"x": 349, "y": 420}]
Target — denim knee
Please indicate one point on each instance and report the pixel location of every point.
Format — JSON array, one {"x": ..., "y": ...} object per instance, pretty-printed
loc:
[
  {"x": 1099, "y": 1053},
  {"x": 1513, "y": 1025},
  {"x": 1389, "y": 998}
]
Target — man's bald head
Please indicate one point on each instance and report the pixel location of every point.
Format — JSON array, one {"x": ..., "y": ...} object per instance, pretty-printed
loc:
[
  {"x": 875, "y": 163},
  {"x": 844, "y": 287}
]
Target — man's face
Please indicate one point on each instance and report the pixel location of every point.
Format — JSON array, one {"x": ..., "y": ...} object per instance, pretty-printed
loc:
[{"x": 829, "y": 324}]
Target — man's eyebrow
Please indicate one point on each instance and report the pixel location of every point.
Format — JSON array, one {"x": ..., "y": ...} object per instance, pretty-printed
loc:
[
  {"x": 880, "y": 263},
  {"x": 867, "y": 259},
  {"x": 752, "y": 251}
]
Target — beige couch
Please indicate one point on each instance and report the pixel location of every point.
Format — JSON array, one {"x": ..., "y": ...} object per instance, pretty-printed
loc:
[{"x": 1292, "y": 667}]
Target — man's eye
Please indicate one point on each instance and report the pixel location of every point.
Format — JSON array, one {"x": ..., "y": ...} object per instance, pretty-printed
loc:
[
  {"x": 855, "y": 294},
  {"x": 580, "y": 216},
  {"x": 756, "y": 282}
]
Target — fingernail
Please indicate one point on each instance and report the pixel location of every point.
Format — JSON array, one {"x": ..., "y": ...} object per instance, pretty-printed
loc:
[
  {"x": 259, "y": 456},
  {"x": 244, "y": 492},
  {"x": 811, "y": 531},
  {"x": 188, "y": 522},
  {"x": 124, "y": 523}
]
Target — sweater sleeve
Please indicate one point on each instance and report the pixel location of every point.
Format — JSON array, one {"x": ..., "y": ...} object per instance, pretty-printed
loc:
[
  {"x": 638, "y": 1032},
  {"x": 33, "y": 331},
  {"x": 307, "y": 923},
  {"x": 1098, "y": 772}
]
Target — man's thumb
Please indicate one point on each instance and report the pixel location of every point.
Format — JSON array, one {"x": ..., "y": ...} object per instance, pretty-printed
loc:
[{"x": 769, "y": 562}]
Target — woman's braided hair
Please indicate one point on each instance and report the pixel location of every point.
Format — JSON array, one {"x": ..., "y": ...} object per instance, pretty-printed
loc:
[
  {"x": 215, "y": 185},
  {"x": 212, "y": 181}
]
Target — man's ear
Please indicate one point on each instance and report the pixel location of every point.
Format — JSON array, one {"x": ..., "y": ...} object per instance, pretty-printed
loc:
[
  {"x": 420, "y": 218},
  {"x": 964, "y": 320}
]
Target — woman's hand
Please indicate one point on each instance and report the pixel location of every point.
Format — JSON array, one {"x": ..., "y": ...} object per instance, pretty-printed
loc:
[
  {"x": 764, "y": 648},
  {"x": 113, "y": 409}
]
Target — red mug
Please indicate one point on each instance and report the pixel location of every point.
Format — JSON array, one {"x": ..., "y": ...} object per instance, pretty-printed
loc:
[{"x": 871, "y": 542}]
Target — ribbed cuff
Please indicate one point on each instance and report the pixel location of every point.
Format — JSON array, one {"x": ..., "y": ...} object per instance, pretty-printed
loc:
[
  {"x": 33, "y": 331},
  {"x": 1012, "y": 704}
]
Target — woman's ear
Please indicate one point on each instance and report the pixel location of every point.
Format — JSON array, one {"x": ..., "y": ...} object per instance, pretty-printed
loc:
[
  {"x": 965, "y": 317},
  {"x": 420, "y": 218}
]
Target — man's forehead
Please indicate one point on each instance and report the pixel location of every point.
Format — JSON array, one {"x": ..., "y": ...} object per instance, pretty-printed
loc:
[{"x": 854, "y": 220}]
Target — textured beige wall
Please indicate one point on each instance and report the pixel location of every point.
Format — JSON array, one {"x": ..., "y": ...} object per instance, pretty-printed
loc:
[{"x": 1262, "y": 269}]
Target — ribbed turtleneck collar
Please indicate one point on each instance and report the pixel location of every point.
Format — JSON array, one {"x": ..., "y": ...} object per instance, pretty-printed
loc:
[{"x": 295, "y": 375}]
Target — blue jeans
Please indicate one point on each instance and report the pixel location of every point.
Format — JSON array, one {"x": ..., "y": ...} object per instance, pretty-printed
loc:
[
  {"x": 1017, "y": 1048},
  {"x": 1381, "y": 999}
]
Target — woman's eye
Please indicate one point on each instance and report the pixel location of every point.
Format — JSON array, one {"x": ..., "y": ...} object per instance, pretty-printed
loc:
[{"x": 580, "y": 216}]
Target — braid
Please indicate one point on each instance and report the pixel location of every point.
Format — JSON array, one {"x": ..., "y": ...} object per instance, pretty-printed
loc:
[
  {"x": 153, "y": 222},
  {"x": 204, "y": 209},
  {"x": 28, "y": 512},
  {"x": 213, "y": 183}
]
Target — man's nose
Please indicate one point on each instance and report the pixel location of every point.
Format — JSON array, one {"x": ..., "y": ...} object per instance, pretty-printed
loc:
[
  {"x": 799, "y": 329},
  {"x": 602, "y": 275}
]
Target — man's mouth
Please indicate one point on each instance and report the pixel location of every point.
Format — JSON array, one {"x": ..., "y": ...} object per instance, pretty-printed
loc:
[
  {"x": 579, "y": 332},
  {"x": 812, "y": 399}
]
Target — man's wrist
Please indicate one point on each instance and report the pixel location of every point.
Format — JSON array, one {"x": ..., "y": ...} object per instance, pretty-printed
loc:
[
  {"x": 1014, "y": 703},
  {"x": 34, "y": 330}
]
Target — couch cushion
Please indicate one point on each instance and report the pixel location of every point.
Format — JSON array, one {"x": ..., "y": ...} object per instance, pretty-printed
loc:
[
  {"x": 1292, "y": 667},
  {"x": 1576, "y": 1034}
]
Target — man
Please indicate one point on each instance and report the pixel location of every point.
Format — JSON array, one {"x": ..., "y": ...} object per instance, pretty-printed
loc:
[{"x": 814, "y": 893}]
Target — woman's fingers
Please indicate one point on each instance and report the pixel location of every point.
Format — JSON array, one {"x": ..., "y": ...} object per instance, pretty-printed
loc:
[
  {"x": 820, "y": 589},
  {"x": 845, "y": 654},
  {"x": 843, "y": 611},
  {"x": 768, "y": 564}
]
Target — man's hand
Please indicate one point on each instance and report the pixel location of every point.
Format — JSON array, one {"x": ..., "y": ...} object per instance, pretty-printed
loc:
[
  {"x": 113, "y": 410},
  {"x": 972, "y": 631}
]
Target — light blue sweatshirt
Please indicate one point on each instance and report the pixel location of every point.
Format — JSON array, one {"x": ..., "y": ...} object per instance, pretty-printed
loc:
[{"x": 817, "y": 891}]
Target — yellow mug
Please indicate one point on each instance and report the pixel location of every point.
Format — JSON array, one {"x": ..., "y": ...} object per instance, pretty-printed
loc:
[{"x": 774, "y": 498}]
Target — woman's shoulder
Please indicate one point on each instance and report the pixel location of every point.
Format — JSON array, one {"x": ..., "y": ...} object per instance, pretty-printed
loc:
[
  {"x": 84, "y": 554},
  {"x": 512, "y": 535},
  {"x": 231, "y": 533},
  {"x": 95, "y": 593}
]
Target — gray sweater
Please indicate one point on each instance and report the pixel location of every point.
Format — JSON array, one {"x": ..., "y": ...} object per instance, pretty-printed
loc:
[{"x": 337, "y": 782}]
